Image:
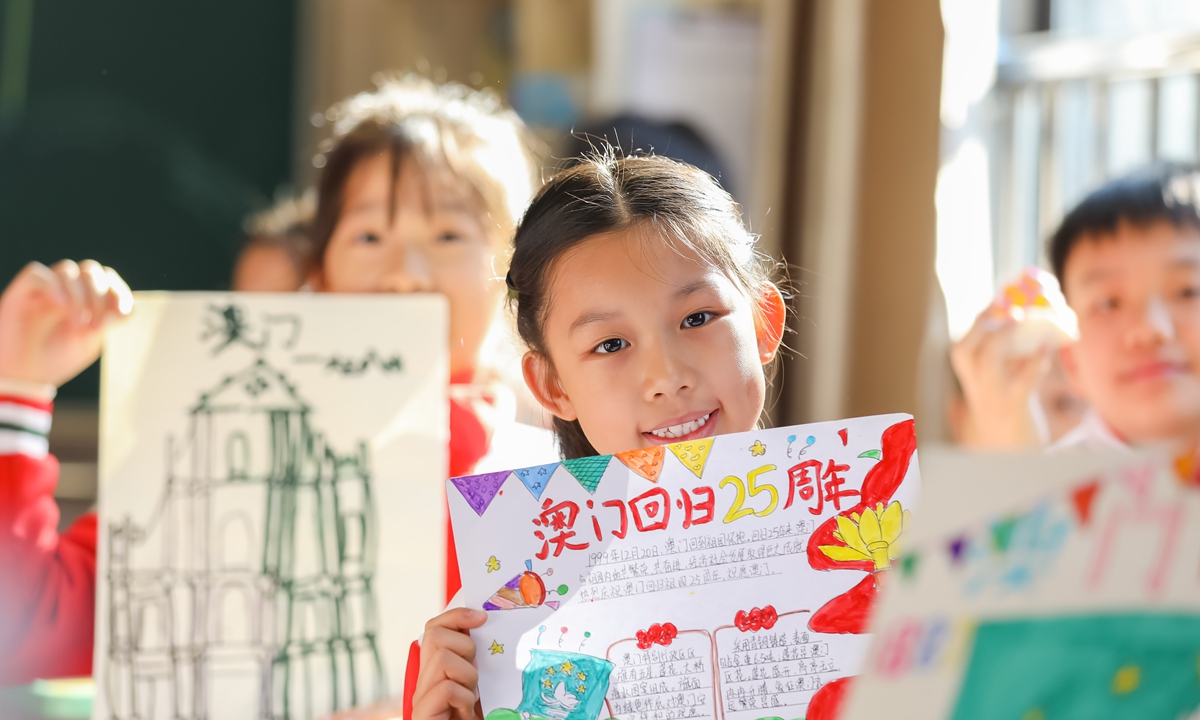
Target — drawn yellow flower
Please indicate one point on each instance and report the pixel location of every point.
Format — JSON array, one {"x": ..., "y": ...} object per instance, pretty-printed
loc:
[{"x": 872, "y": 536}]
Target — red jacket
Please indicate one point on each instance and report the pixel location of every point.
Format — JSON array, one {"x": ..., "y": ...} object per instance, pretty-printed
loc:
[{"x": 48, "y": 580}]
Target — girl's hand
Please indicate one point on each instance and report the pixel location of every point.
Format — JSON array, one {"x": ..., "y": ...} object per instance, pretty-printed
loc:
[
  {"x": 448, "y": 685},
  {"x": 52, "y": 319},
  {"x": 996, "y": 386}
]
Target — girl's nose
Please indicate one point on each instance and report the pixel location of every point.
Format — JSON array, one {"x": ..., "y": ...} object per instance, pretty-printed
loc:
[
  {"x": 666, "y": 373},
  {"x": 409, "y": 273},
  {"x": 1155, "y": 326}
]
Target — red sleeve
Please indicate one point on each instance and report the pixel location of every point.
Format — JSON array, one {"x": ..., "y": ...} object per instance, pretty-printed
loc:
[
  {"x": 47, "y": 596},
  {"x": 411, "y": 672}
]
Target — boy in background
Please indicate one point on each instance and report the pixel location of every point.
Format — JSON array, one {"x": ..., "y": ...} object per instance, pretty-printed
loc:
[
  {"x": 1128, "y": 260},
  {"x": 52, "y": 322}
]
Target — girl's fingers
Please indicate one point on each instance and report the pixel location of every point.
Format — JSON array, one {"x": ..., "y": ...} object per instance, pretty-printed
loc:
[
  {"x": 94, "y": 281},
  {"x": 68, "y": 277},
  {"x": 45, "y": 282},
  {"x": 456, "y": 642},
  {"x": 120, "y": 298},
  {"x": 460, "y": 619},
  {"x": 450, "y": 665},
  {"x": 441, "y": 652},
  {"x": 446, "y": 694}
]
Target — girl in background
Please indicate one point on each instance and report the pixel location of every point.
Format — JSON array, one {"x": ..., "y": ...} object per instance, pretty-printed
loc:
[{"x": 421, "y": 189}]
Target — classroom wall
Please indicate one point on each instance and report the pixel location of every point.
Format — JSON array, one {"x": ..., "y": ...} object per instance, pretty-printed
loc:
[
  {"x": 898, "y": 163},
  {"x": 861, "y": 229}
]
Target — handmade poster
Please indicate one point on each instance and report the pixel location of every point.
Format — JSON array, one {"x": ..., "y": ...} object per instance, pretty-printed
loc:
[
  {"x": 724, "y": 578},
  {"x": 271, "y": 531},
  {"x": 1082, "y": 601}
]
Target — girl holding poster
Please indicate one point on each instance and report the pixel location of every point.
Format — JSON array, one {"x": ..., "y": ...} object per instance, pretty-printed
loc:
[{"x": 649, "y": 317}]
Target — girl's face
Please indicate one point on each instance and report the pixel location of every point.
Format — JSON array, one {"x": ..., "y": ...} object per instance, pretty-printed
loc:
[
  {"x": 432, "y": 242},
  {"x": 650, "y": 346}
]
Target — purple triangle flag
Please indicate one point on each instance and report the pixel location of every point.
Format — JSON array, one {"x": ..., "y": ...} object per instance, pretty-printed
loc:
[
  {"x": 479, "y": 490},
  {"x": 957, "y": 546}
]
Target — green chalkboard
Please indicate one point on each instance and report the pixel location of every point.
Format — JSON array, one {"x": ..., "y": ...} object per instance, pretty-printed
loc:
[{"x": 140, "y": 133}]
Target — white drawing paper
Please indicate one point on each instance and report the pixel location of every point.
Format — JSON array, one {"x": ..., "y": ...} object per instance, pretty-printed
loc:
[
  {"x": 1078, "y": 600},
  {"x": 701, "y": 579},
  {"x": 271, "y": 526}
]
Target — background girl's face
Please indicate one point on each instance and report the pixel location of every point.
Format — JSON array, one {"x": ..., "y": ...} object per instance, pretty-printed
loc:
[
  {"x": 648, "y": 345},
  {"x": 432, "y": 240}
]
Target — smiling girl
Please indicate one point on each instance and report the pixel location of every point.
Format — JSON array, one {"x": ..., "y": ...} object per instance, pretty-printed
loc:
[
  {"x": 420, "y": 192},
  {"x": 649, "y": 318}
]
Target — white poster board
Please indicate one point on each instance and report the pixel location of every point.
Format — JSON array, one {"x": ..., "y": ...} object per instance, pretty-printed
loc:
[
  {"x": 701, "y": 579},
  {"x": 271, "y": 532},
  {"x": 1078, "y": 601}
]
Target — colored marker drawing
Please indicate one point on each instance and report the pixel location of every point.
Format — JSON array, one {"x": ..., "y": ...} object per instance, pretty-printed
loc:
[
  {"x": 526, "y": 590},
  {"x": 559, "y": 685},
  {"x": 1083, "y": 668}
]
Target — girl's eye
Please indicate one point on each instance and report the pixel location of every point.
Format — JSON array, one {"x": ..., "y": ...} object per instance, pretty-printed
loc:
[
  {"x": 612, "y": 345},
  {"x": 449, "y": 237},
  {"x": 369, "y": 238},
  {"x": 1106, "y": 305},
  {"x": 697, "y": 319},
  {"x": 1191, "y": 292}
]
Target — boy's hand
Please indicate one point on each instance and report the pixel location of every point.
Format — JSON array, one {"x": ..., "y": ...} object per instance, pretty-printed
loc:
[
  {"x": 52, "y": 319},
  {"x": 448, "y": 686},
  {"x": 997, "y": 386}
]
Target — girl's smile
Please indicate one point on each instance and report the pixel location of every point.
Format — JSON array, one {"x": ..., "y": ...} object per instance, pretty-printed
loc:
[{"x": 687, "y": 427}]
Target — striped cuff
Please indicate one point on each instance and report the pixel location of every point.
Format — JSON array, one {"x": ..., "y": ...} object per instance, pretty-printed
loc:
[{"x": 24, "y": 426}]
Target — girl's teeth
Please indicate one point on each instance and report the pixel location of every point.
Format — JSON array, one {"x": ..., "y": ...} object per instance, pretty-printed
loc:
[{"x": 686, "y": 428}]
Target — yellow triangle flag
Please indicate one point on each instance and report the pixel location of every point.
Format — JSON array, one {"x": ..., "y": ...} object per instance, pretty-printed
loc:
[{"x": 693, "y": 453}]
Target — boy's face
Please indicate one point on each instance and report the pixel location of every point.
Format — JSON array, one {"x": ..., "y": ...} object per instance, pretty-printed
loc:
[
  {"x": 432, "y": 242},
  {"x": 1137, "y": 295}
]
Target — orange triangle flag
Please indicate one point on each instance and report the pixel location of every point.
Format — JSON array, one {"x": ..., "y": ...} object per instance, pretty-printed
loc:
[
  {"x": 693, "y": 453},
  {"x": 646, "y": 462},
  {"x": 1082, "y": 498}
]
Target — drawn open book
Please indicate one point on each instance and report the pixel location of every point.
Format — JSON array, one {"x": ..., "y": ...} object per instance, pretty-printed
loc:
[{"x": 725, "y": 578}]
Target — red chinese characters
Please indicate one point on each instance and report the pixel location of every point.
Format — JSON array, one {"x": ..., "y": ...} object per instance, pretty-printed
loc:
[{"x": 808, "y": 487}]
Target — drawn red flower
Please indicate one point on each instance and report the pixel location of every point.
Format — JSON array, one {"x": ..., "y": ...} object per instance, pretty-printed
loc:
[
  {"x": 849, "y": 612},
  {"x": 755, "y": 620},
  {"x": 656, "y": 635}
]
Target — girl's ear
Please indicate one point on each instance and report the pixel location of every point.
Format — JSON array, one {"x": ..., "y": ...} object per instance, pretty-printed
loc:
[
  {"x": 769, "y": 322},
  {"x": 543, "y": 383}
]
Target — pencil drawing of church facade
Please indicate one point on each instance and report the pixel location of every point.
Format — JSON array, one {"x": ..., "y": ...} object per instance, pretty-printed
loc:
[{"x": 253, "y": 575}]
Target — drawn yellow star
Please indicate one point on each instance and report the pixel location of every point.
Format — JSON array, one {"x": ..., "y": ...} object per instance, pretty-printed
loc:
[
  {"x": 581, "y": 689},
  {"x": 547, "y": 683},
  {"x": 1127, "y": 679},
  {"x": 493, "y": 564},
  {"x": 550, "y": 671},
  {"x": 497, "y": 648},
  {"x": 567, "y": 667},
  {"x": 581, "y": 676},
  {"x": 758, "y": 448}
]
